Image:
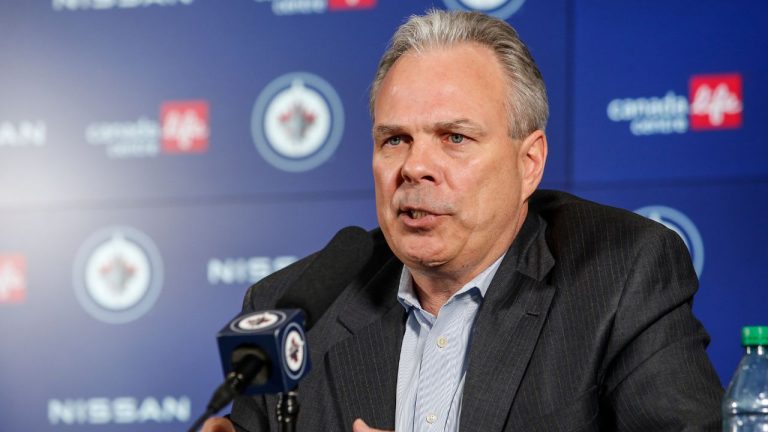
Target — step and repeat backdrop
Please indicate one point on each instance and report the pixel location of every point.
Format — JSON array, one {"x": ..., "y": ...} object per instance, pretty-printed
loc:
[{"x": 159, "y": 156}]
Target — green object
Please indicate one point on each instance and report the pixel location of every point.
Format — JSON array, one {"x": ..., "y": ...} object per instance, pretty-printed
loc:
[{"x": 754, "y": 335}]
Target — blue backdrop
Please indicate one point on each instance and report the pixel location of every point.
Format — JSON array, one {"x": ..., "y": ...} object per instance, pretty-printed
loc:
[{"x": 159, "y": 156}]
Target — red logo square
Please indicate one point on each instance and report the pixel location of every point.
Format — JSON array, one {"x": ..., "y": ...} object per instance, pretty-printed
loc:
[
  {"x": 716, "y": 101},
  {"x": 350, "y": 4},
  {"x": 13, "y": 278},
  {"x": 184, "y": 126}
]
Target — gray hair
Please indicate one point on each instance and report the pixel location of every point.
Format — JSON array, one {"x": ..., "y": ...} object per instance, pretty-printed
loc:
[{"x": 527, "y": 100}]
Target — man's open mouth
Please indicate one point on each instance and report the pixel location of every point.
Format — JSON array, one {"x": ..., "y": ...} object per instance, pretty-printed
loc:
[{"x": 417, "y": 214}]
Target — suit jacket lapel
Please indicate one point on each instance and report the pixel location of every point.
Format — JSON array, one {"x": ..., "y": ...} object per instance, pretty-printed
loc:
[
  {"x": 363, "y": 367},
  {"x": 506, "y": 330}
]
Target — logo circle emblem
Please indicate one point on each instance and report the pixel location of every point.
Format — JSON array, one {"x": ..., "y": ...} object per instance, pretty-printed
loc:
[
  {"x": 118, "y": 274},
  {"x": 683, "y": 226},
  {"x": 297, "y": 122},
  {"x": 294, "y": 351},
  {"x": 258, "y": 321},
  {"x": 499, "y": 8}
]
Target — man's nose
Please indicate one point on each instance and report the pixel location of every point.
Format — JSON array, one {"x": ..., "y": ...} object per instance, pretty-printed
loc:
[{"x": 421, "y": 164}]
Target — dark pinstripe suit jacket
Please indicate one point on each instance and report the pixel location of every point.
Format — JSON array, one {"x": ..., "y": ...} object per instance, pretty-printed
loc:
[{"x": 586, "y": 326}]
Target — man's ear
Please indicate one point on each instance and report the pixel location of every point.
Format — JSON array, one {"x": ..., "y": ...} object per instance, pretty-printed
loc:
[{"x": 533, "y": 157}]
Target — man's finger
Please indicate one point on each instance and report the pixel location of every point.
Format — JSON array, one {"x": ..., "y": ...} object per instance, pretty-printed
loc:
[
  {"x": 360, "y": 426},
  {"x": 218, "y": 424}
]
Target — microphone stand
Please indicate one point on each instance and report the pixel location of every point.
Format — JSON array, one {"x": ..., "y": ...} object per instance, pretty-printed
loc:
[
  {"x": 288, "y": 410},
  {"x": 236, "y": 382}
]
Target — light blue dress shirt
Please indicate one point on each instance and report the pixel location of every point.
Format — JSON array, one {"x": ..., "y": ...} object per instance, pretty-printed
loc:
[{"x": 433, "y": 357}]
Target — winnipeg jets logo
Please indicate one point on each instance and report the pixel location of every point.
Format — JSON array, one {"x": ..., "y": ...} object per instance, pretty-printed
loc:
[
  {"x": 499, "y": 8},
  {"x": 297, "y": 122},
  {"x": 683, "y": 226},
  {"x": 118, "y": 274},
  {"x": 294, "y": 351},
  {"x": 259, "y": 321}
]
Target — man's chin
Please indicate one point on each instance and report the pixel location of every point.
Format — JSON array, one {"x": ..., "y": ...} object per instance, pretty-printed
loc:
[{"x": 421, "y": 256}]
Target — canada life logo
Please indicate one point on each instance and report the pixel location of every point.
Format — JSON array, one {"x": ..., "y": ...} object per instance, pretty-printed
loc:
[
  {"x": 297, "y": 122},
  {"x": 294, "y": 7},
  {"x": 499, "y": 8},
  {"x": 714, "y": 102},
  {"x": 118, "y": 274},
  {"x": 681, "y": 224},
  {"x": 13, "y": 278},
  {"x": 183, "y": 128}
]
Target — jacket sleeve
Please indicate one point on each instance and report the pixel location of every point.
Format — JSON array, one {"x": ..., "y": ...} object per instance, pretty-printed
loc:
[{"x": 658, "y": 376}]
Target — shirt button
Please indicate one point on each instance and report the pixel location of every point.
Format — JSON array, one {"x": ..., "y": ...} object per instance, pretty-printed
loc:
[
  {"x": 431, "y": 418},
  {"x": 442, "y": 341}
]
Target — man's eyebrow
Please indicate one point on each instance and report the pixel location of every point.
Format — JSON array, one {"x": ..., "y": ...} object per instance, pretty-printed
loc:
[
  {"x": 385, "y": 130},
  {"x": 460, "y": 125}
]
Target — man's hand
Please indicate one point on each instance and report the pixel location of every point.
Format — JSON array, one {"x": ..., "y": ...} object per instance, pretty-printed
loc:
[
  {"x": 360, "y": 426},
  {"x": 218, "y": 424}
]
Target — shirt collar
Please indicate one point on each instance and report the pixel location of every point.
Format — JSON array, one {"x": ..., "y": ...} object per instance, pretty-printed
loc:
[{"x": 407, "y": 297}]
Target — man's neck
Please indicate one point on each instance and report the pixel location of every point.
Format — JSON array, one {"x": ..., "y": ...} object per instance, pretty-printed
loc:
[
  {"x": 432, "y": 292},
  {"x": 434, "y": 289}
]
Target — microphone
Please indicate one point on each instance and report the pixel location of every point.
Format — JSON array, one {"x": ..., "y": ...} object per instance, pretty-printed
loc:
[
  {"x": 276, "y": 337},
  {"x": 266, "y": 351}
]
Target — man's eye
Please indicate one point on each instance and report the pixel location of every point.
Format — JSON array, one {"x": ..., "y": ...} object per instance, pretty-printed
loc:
[
  {"x": 456, "y": 138},
  {"x": 395, "y": 140}
]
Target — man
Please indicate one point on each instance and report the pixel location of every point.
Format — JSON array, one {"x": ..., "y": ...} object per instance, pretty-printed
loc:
[{"x": 487, "y": 306}]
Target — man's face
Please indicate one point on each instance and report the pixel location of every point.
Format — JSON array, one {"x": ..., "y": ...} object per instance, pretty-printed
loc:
[{"x": 448, "y": 178}]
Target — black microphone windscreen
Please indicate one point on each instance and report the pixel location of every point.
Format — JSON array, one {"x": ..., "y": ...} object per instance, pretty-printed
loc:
[{"x": 331, "y": 270}]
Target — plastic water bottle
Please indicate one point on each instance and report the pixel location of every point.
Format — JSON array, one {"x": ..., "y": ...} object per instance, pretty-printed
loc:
[{"x": 745, "y": 406}]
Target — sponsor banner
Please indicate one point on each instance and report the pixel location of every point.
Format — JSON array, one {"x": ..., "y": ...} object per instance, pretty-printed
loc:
[
  {"x": 667, "y": 105},
  {"x": 245, "y": 270},
  {"x": 25, "y": 133},
  {"x": 303, "y": 7},
  {"x": 498, "y": 8},
  {"x": 75, "y": 5},
  {"x": 182, "y": 128},
  {"x": 714, "y": 102},
  {"x": 341, "y": 5},
  {"x": 13, "y": 278},
  {"x": 297, "y": 122},
  {"x": 121, "y": 410}
]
